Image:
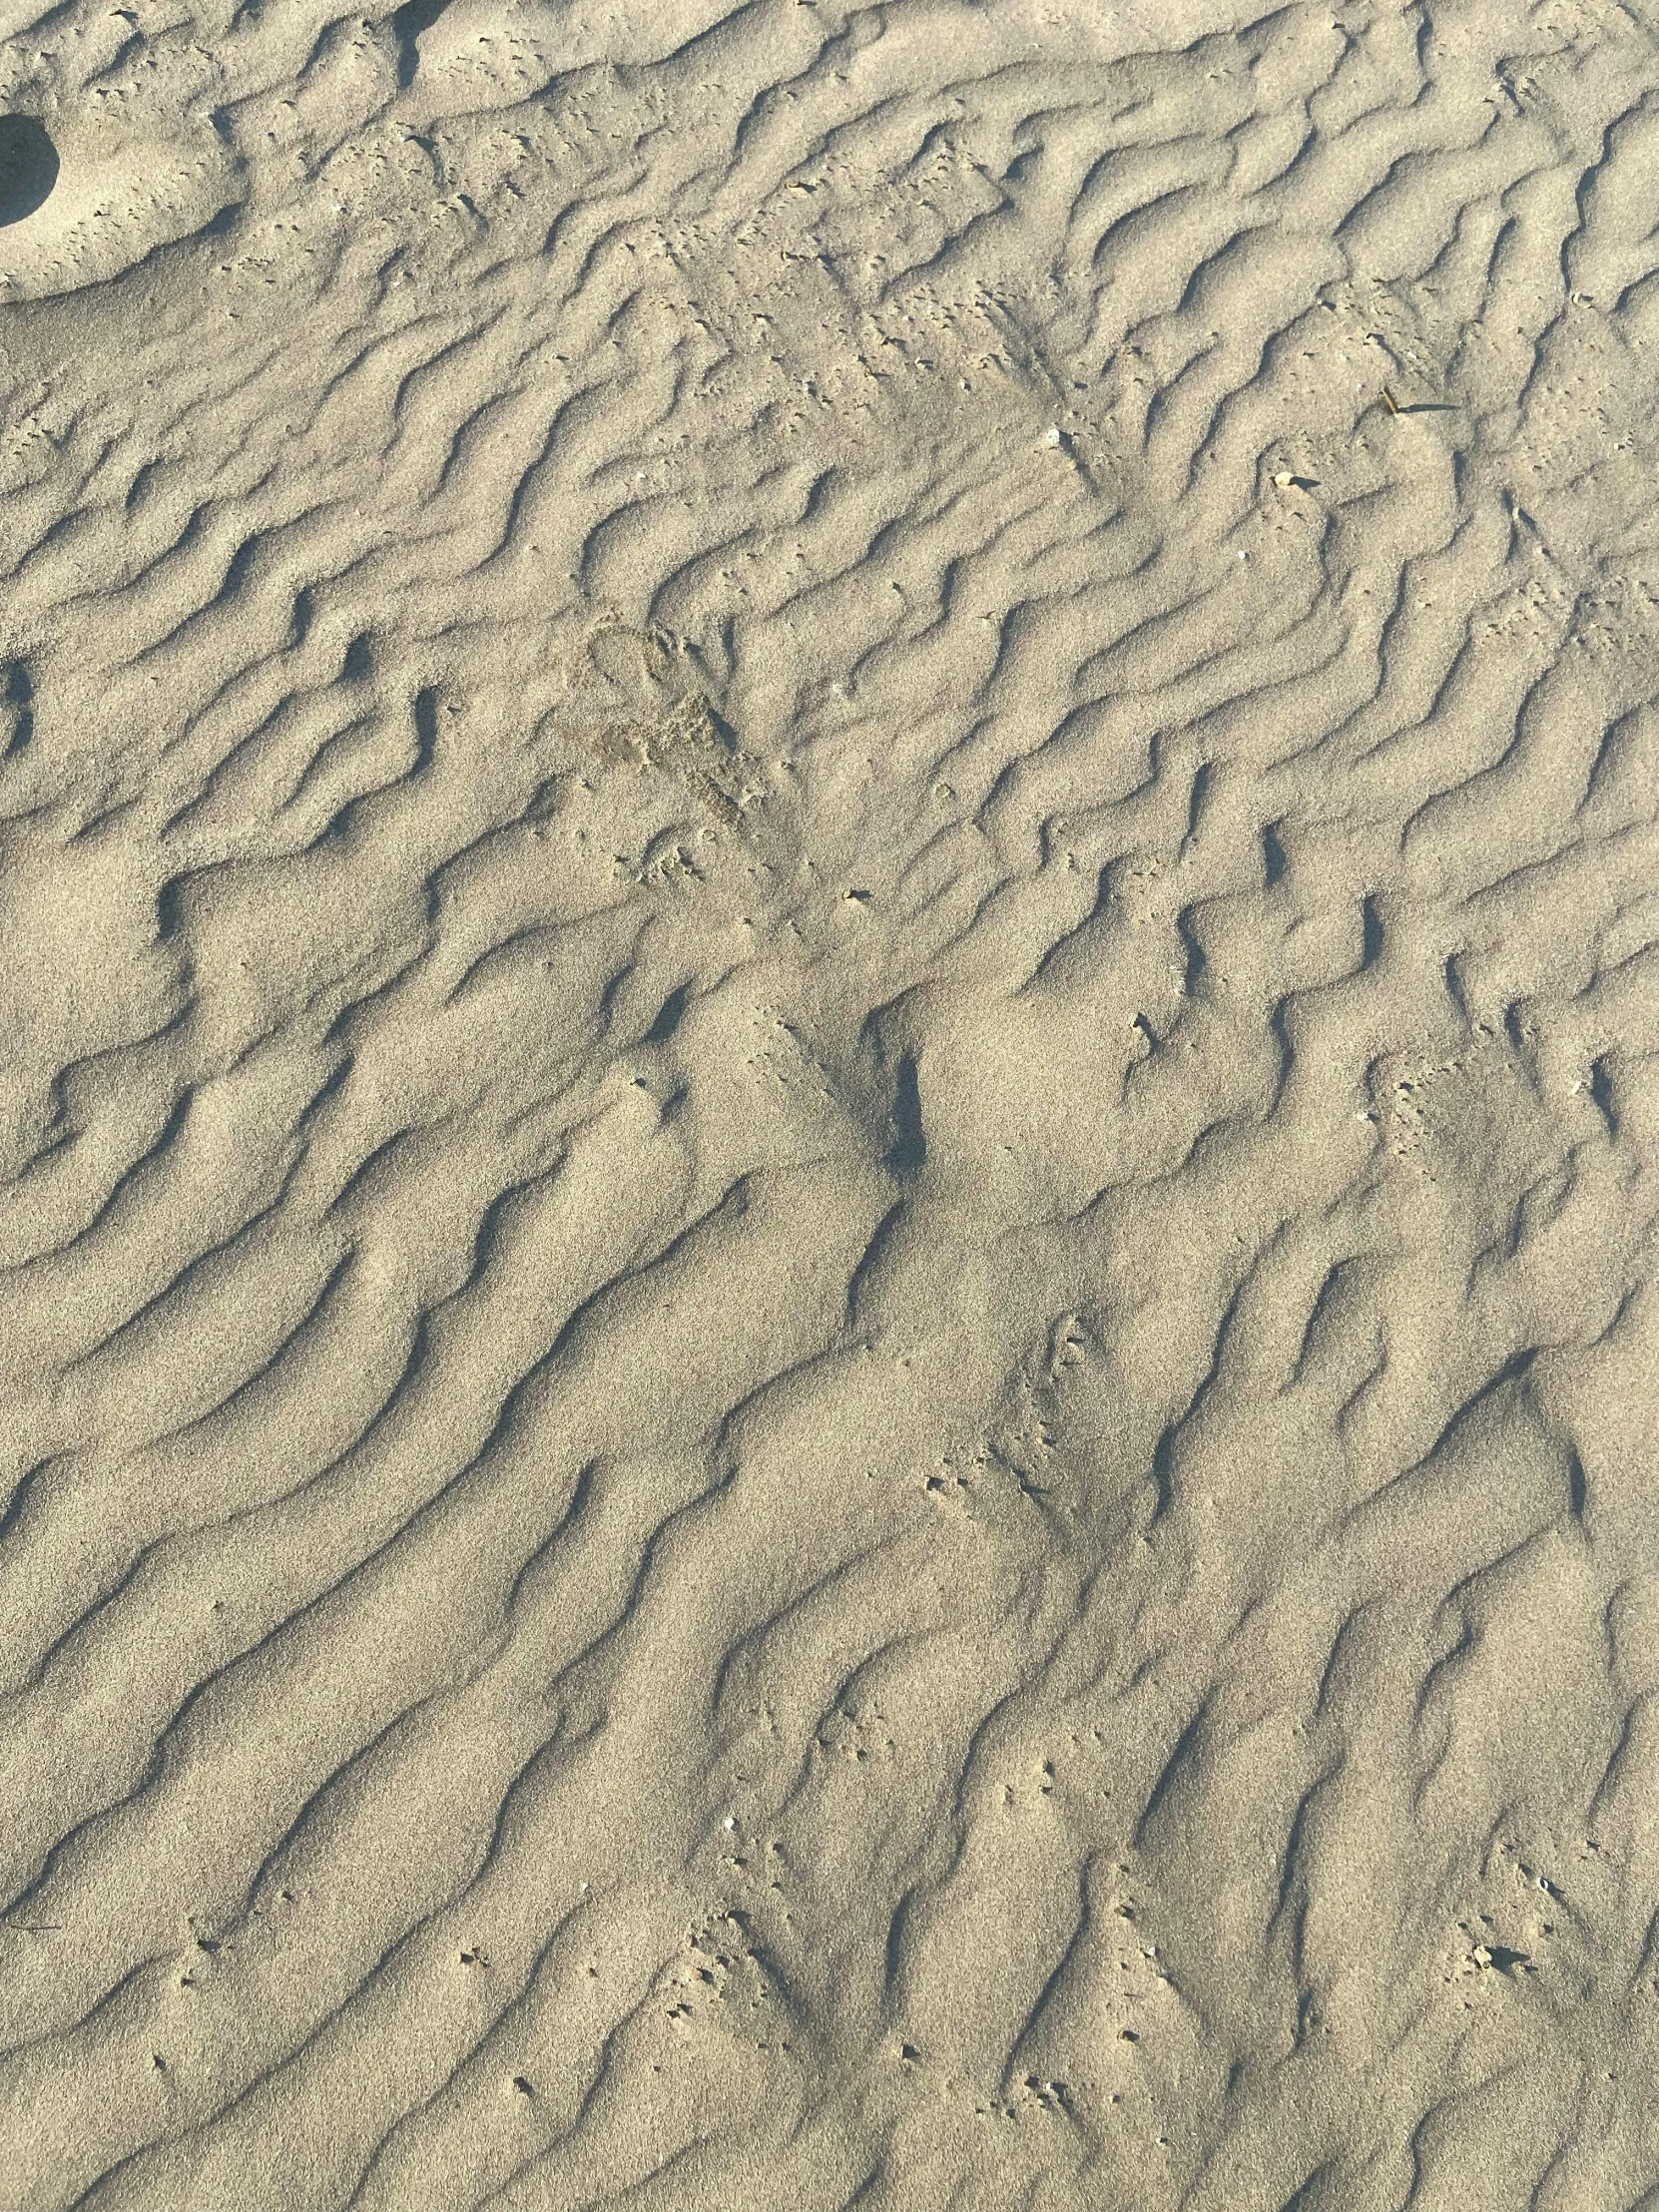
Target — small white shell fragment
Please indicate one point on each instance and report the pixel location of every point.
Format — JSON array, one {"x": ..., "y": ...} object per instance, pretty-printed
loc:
[
  {"x": 1282, "y": 478},
  {"x": 1051, "y": 437}
]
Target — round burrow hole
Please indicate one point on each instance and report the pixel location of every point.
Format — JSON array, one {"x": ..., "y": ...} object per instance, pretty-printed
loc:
[{"x": 28, "y": 167}]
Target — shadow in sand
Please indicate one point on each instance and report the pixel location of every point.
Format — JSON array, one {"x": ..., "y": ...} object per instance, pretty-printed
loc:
[{"x": 28, "y": 167}]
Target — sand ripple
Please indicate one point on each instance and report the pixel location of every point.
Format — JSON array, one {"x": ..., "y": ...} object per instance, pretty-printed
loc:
[{"x": 829, "y": 844}]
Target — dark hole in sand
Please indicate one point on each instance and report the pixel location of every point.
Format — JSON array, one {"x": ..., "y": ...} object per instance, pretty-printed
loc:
[
  {"x": 28, "y": 167},
  {"x": 407, "y": 24}
]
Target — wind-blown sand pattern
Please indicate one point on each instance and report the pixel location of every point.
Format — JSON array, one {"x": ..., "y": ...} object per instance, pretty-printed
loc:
[{"x": 831, "y": 869}]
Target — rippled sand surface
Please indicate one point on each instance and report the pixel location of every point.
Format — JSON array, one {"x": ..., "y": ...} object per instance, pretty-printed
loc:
[{"x": 829, "y": 845}]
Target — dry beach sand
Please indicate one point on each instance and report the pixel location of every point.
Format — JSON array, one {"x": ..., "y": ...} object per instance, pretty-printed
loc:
[{"x": 829, "y": 845}]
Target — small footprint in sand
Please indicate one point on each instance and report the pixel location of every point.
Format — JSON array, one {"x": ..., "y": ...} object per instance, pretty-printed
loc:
[{"x": 632, "y": 697}]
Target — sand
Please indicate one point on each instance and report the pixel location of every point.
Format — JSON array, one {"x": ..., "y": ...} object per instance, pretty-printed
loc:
[{"x": 829, "y": 853}]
